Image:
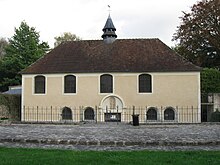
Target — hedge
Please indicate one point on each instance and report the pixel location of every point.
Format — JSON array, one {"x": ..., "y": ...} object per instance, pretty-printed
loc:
[{"x": 13, "y": 105}]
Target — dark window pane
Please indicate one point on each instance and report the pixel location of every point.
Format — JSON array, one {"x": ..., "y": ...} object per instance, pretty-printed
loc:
[
  {"x": 152, "y": 114},
  {"x": 66, "y": 113},
  {"x": 39, "y": 84},
  {"x": 70, "y": 84},
  {"x": 169, "y": 114},
  {"x": 145, "y": 85},
  {"x": 89, "y": 114},
  {"x": 106, "y": 84}
]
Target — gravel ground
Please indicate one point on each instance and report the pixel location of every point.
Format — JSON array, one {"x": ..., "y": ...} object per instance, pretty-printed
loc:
[{"x": 112, "y": 136}]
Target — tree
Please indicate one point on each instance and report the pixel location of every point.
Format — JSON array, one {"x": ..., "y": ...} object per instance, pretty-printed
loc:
[
  {"x": 24, "y": 48},
  {"x": 3, "y": 44},
  {"x": 199, "y": 34},
  {"x": 66, "y": 36},
  {"x": 210, "y": 79}
]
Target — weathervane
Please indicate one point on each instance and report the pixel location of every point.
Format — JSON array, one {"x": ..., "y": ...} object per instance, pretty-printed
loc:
[{"x": 109, "y": 9}]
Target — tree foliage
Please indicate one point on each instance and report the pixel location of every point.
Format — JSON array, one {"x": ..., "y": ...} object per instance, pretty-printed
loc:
[
  {"x": 198, "y": 35},
  {"x": 24, "y": 48},
  {"x": 210, "y": 80},
  {"x": 3, "y": 44},
  {"x": 66, "y": 36},
  {"x": 215, "y": 116}
]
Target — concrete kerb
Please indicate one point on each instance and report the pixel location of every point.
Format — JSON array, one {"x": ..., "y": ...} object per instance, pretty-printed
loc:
[
  {"x": 112, "y": 143},
  {"x": 9, "y": 122}
]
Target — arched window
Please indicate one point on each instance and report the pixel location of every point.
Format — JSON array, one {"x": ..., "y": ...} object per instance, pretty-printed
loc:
[
  {"x": 66, "y": 113},
  {"x": 106, "y": 83},
  {"x": 39, "y": 84},
  {"x": 152, "y": 114},
  {"x": 169, "y": 114},
  {"x": 145, "y": 83},
  {"x": 70, "y": 84},
  {"x": 89, "y": 114}
]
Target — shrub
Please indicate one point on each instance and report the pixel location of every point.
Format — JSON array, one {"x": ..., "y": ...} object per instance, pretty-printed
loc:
[
  {"x": 215, "y": 116},
  {"x": 13, "y": 104}
]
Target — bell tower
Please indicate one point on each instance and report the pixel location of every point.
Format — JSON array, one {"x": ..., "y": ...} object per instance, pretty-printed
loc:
[{"x": 109, "y": 29}]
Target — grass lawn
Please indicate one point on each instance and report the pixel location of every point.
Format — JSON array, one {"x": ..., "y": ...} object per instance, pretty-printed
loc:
[{"x": 42, "y": 156}]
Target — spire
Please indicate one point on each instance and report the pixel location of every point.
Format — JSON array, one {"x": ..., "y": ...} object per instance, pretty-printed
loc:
[{"x": 109, "y": 29}]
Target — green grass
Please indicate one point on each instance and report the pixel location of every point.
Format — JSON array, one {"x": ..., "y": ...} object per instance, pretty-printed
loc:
[{"x": 21, "y": 156}]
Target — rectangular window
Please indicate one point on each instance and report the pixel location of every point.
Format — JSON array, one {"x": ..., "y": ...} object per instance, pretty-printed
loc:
[
  {"x": 39, "y": 85},
  {"x": 145, "y": 85},
  {"x": 69, "y": 84},
  {"x": 106, "y": 84}
]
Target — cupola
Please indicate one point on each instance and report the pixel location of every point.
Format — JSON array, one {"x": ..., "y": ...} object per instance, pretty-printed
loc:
[{"x": 109, "y": 29}]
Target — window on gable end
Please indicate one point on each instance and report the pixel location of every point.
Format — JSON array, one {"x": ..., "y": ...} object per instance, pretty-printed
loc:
[
  {"x": 70, "y": 84},
  {"x": 106, "y": 83},
  {"x": 145, "y": 83},
  {"x": 39, "y": 85}
]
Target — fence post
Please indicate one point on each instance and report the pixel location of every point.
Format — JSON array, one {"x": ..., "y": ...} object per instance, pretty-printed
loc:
[
  {"x": 96, "y": 113},
  {"x": 28, "y": 114},
  {"x": 106, "y": 112},
  {"x": 145, "y": 114},
  {"x": 192, "y": 114},
  {"x": 80, "y": 114},
  {"x": 23, "y": 115},
  {"x": 83, "y": 113},
  {"x": 117, "y": 115},
  {"x": 187, "y": 114},
  {"x": 178, "y": 115},
  {"x": 51, "y": 115},
  {"x": 37, "y": 113},
  {"x": 44, "y": 118},
  {"x": 57, "y": 114}
]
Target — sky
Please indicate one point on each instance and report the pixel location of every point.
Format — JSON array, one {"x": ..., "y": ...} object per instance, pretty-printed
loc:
[{"x": 86, "y": 18}]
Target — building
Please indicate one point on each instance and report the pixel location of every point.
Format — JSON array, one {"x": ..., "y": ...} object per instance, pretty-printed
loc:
[
  {"x": 14, "y": 90},
  {"x": 109, "y": 80}
]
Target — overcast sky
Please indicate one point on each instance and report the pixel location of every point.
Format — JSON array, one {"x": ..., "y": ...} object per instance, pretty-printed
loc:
[{"x": 86, "y": 18}]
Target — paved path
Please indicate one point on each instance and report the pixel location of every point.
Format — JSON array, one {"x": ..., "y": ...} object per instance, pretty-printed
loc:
[{"x": 110, "y": 136}]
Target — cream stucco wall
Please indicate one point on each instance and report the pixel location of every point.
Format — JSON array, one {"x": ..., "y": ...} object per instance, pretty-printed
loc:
[{"x": 168, "y": 89}]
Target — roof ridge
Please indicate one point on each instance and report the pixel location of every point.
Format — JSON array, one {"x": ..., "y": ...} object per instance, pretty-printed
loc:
[
  {"x": 86, "y": 40},
  {"x": 124, "y": 55}
]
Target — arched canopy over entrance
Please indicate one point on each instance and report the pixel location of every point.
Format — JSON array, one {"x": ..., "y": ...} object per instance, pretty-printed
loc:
[
  {"x": 112, "y": 103},
  {"x": 112, "y": 108}
]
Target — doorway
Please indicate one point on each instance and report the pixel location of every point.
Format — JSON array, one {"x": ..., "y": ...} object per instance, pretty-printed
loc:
[{"x": 112, "y": 107}]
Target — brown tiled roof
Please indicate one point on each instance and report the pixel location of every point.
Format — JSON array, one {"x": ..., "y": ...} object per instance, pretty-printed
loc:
[{"x": 124, "y": 55}]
